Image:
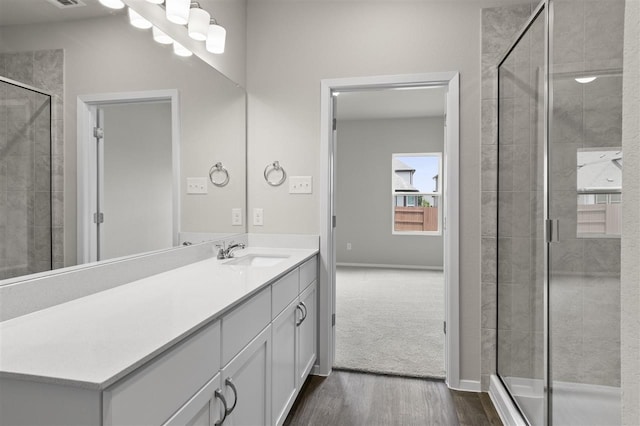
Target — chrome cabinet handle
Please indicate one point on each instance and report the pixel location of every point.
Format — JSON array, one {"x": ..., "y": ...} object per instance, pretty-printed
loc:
[
  {"x": 298, "y": 322},
  {"x": 218, "y": 394},
  {"x": 230, "y": 383},
  {"x": 305, "y": 311}
]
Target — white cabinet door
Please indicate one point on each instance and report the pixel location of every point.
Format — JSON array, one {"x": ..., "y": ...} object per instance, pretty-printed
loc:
[
  {"x": 284, "y": 373},
  {"x": 307, "y": 334},
  {"x": 246, "y": 380},
  {"x": 206, "y": 408}
]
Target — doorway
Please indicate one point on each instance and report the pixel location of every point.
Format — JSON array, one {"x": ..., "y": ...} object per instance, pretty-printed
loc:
[
  {"x": 329, "y": 249},
  {"x": 129, "y": 200},
  {"x": 389, "y": 239}
]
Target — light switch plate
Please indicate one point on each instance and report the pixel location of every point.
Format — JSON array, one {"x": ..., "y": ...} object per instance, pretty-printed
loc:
[
  {"x": 197, "y": 185},
  {"x": 300, "y": 185},
  {"x": 258, "y": 217},
  {"x": 236, "y": 216}
]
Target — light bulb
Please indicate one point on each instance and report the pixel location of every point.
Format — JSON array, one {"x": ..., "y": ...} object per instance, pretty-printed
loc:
[
  {"x": 199, "y": 24},
  {"x": 112, "y": 4},
  {"x": 161, "y": 37},
  {"x": 178, "y": 11},
  {"x": 180, "y": 50},
  {"x": 138, "y": 21},
  {"x": 216, "y": 39},
  {"x": 585, "y": 80}
]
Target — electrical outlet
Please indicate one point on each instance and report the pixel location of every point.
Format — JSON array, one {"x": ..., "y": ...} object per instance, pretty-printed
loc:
[
  {"x": 258, "y": 217},
  {"x": 236, "y": 216},
  {"x": 197, "y": 185},
  {"x": 300, "y": 185}
]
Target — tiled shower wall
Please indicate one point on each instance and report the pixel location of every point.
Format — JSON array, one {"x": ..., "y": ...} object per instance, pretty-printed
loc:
[
  {"x": 499, "y": 28},
  {"x": 42, "y": 70}
]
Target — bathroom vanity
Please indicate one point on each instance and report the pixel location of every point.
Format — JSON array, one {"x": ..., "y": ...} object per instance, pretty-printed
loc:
[{"x": 213, "y": 342}]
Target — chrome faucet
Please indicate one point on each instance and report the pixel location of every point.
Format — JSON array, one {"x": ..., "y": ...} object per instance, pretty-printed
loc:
[{"x": 227, "y": 253}]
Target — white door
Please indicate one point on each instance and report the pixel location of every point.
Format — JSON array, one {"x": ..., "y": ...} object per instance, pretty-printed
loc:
[{"x": 134, "y": 201}]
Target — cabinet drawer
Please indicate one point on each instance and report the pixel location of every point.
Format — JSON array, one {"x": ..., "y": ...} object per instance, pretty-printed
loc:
[
  {"x": 244, "y": 323},
  {"x": 154, "y": 392},
  {"x": 308, "y": 273},
  {"x": 283, "y": 292}
]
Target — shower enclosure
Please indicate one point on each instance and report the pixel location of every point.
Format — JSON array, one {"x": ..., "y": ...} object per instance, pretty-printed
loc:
[
  {"x": 25, "y": 180},
  {"x": 559, "y": 214}
]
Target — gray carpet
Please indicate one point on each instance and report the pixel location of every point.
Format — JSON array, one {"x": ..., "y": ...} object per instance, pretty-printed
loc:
[{"x": 390, "y": 321}]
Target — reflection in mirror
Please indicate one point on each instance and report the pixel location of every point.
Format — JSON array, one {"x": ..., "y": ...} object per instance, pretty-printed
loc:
[
  {"x": 92, "y": 51},
  {"x": 599, "y": 176}
]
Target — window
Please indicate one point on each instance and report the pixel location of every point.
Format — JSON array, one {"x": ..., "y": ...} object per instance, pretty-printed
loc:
[
  {"x": 417, "y": 193},
  {"x": 599, "y": 184}
]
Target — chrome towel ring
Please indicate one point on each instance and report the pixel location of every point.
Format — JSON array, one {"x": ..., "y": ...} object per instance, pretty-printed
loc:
[
  {"x": 218, "y": 168},
  {"x": 274, "y": 167}
]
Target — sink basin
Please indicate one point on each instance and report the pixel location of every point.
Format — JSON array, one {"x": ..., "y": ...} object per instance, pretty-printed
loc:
[{"x": 258, "y": 260}]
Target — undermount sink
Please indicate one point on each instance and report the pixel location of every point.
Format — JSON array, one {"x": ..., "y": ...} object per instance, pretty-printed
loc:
[{"x": 259, "y": 260}]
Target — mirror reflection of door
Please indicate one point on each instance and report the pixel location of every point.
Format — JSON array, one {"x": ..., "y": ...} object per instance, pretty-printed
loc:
[{"x": 134, "y": 191}]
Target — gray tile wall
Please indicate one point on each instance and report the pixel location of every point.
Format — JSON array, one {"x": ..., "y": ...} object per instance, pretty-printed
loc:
[
  {"x": 499, "y": 28},
  {"x": 30, "y": 164}
]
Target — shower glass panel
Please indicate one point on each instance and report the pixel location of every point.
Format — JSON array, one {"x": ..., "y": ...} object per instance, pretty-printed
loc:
[
  {"x": 585, "y": 197},
  {"x": 25, "y": 180},
  {"x": 521, "y": 245}
]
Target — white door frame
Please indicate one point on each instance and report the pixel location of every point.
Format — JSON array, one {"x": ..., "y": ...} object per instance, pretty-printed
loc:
[
  {"x": 86, "y": 167},
  {"x": 451, "y": 80}
]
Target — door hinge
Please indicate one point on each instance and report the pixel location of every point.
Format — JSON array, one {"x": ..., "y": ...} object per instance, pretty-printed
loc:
[
  {"x": 335, "y": 124},
  {"x": 552, "y": 230},
  {"x": 333, "y": 221},
  {"x": 444, "y": 328},
  {"x": 333, "y": 319},
  {"x": 98, "y": 217},
  {"x": 98, "y": 132}
]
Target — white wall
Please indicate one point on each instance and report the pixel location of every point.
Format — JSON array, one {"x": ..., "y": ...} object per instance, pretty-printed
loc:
[
  {"x": 363, "y": 190},
  {"x": 630, "y": 278},
  {"x": 106, "y": 55},
  {"x": 291, "y": 46}
]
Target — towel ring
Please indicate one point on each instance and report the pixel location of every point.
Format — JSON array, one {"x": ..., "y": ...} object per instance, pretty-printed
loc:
[
  {"x": 275, "y": 166},
  {"x": 219, "y": 168}
]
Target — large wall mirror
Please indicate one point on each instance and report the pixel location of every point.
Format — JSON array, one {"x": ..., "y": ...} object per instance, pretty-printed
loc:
[{"x": 166, "y": 119}]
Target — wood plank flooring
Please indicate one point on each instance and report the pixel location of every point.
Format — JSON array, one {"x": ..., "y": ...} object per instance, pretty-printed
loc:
[{"x": 360, "y": 399}]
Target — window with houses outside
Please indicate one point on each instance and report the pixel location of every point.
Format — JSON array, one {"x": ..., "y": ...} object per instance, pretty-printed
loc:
[
  {"x": 417, "y": 193},
  {"x": 599, "y": 181}
]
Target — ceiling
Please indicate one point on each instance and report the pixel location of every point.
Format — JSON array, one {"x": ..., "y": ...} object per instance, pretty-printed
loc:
[
  {"x": 391, "y": 103},
  {"x": 22, "y": 12}
]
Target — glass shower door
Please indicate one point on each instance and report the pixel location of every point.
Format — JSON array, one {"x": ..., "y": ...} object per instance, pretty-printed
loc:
[
  {"x": 585, "y": 197},
  {"x": 25, "y": 180},
  {"x": 521, "y": 203}
]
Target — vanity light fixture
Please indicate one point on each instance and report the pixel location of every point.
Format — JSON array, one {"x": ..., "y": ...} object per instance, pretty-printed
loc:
[
  {"x": 180, "y": 50},
  {"x": 112, "y": 4},
  {"x": 177, "y": 11},
  {"x": 160, "y": 36},
  {"x": 585, "y": 80},
  {"x": 198, "y": 22},
  {"x": 216, "y": 37},
  {"x": 156, "y": 1},
  {"x": 138, "y": 21}
]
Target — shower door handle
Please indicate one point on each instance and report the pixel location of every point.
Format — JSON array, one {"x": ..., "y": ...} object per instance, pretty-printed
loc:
[{"x": 552, "y": 230}]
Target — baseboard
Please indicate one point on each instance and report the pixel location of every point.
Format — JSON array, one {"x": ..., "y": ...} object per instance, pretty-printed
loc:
[
  {"x": 469, "y": 386},
  {"x": 508, "y": 413},
  {"x": 387, "y": 266}
]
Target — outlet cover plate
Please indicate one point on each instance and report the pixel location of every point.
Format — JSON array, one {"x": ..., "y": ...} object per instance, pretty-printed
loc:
[
  {"x": 300, "y": 185},
  {"x": 197, "y": 185}
]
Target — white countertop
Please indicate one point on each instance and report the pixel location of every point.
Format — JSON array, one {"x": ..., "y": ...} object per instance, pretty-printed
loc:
[{"x": 93, "y": 341}]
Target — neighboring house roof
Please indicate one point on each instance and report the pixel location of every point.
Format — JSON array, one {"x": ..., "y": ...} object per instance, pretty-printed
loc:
[
  {"x": 599, "y": 170},
  {"x": 400, "y": 184}
]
